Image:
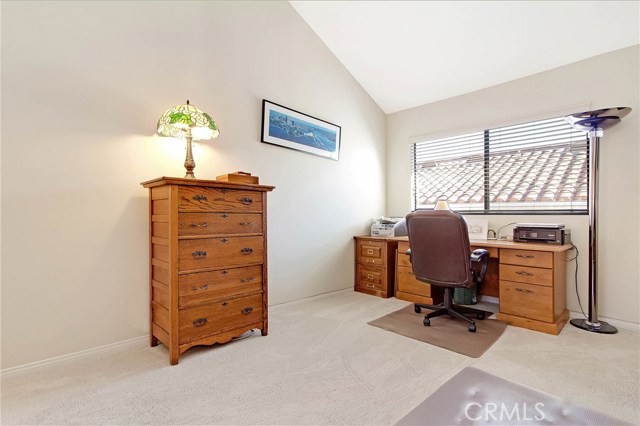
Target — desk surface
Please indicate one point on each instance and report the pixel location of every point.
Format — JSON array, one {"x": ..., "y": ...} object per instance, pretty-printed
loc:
[{"x": 506, "y": 244}]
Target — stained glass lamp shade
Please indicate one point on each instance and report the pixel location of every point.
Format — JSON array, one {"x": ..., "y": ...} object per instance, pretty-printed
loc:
[{"x": 189, "y": 122}]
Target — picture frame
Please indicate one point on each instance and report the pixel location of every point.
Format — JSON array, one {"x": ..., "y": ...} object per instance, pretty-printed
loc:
[{"x": 295, "y": 130}]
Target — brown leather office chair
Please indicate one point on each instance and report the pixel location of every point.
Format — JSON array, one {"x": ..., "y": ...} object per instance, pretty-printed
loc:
[{"x": 441, "y": 256}]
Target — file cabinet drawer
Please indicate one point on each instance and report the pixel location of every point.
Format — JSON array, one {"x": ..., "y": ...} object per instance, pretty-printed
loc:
[
  {"x": 526, "y": 301},
  {"x": 370, "y": 277},
  {"x": 370, "y": 252}
]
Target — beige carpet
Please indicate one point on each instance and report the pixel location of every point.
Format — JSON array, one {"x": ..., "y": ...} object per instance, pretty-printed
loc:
[
  {"x": 444, "y": 332},
  {"x": 321, "y": 364}
]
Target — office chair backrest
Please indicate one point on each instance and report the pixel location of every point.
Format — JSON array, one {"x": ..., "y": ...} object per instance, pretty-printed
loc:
[{"x": 440, "y": 248}]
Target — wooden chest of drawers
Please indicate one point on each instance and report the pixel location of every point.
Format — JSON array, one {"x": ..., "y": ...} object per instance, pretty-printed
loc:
[
  {"x": 407, "y": 286},
  {"x": 208, "y": 261},
  {"x": 375, "y": 265},
  {"x": 533, "y": 289}
]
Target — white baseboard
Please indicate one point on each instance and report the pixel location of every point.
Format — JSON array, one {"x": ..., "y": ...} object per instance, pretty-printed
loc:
[{"x": 50, "y": 361}]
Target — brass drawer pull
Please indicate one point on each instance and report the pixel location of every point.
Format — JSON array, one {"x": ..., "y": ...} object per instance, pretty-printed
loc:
[
  {"x": 200, "y": 225},
  {"x": 524, "y": 290},
  {"x": 246, "y": 223},
  {"x": 200, "y": 322},
  {"x": 199, "y": 253},
  {"x": 246, "y": 250},
  {"x": 371, "y": 260},
  {"x": 246, "y": 311},
  {"x": 246, "y": 200},
  {"x": 248, "y": 280},
  {"x": 369, "y": 251},
  {"x": 525, "y": 256},
  {"x": 204, "y": 287},
  {"x": 369, "y": 276},
  {"x": 371, "y": 286},
  {"x": 529, "y": 274},
  {"x": 200, "y": 197}
]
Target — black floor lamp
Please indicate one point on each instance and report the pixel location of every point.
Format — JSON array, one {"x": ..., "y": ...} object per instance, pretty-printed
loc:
[{"x": 594, "y": 123}]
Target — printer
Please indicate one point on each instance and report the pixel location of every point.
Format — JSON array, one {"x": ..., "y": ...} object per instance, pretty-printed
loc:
[{"x": 546, "y": 233}]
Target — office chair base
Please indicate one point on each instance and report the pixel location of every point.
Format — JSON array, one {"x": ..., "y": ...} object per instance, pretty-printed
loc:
[
  {"x": 455, "y": 311},
  {"x": 599, "y": 327}
]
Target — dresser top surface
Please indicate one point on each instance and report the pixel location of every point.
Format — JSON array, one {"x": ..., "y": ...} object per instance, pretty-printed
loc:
[{"x": 164, "y": 180}]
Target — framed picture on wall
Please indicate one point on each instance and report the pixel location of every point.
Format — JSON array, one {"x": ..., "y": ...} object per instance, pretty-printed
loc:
[{"x": 295, "y": 130}]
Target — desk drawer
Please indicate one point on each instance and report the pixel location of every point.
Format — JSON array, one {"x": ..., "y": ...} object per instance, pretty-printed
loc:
[
  {"x": 371, "y": 252},
  {"x": 404, "y": 259},
  {"x": 371, "y": 277},
  {"x": 540, "y": 259},
  {"x": 526, "y": 301},
  {"x": 406, "y": 282},
  {"x": 526, "y": 274}
]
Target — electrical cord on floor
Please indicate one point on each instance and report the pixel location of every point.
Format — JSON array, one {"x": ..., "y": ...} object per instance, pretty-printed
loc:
[
  {"x": 576, "y": 276},
  {"x": 244, "y": 335}
]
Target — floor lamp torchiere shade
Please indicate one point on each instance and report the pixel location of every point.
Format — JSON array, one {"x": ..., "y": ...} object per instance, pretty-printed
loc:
[
  {"x": 594, "y": 123},
  {"x": 191, "y": 123}
]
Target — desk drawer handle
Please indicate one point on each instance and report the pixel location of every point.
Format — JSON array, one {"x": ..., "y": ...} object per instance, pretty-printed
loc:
[
  {"x": 204, "y": 287},
  {"x": 200, "y": 322},
  {"x": 525, "y": 256},
  {"x": 246, "y": 250},
  {"x": 199, "y": 253},
  {"x": 246, "y": 311},
  {"x": 246, "y": 200},
  {"x": 529, "y": 274},
  {"x": 200, "y": 197},
  {"x": 200, "y": 225},
  {"x": 524, "y": 290}
]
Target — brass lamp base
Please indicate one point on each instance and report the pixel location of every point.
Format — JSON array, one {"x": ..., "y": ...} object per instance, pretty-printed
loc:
[{"x": 189, "y": 162}]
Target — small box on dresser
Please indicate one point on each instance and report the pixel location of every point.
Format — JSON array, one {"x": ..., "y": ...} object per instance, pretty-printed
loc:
[{"x": 208, "y": 261}]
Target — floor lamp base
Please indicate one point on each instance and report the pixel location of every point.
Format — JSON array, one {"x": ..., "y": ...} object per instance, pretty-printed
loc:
[{"x": 599, "y": 327}]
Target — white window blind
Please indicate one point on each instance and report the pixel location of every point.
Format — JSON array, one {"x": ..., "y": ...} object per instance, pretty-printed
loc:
[{"x": 537, "y": 167}]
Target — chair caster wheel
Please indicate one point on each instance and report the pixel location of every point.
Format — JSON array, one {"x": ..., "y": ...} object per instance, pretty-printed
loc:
[
  {"x": 480, "y": 316},
  {"x": 417, "y": 309},
  {"x": 426, "y": 322},
  {"x": 472, "y": 328}
]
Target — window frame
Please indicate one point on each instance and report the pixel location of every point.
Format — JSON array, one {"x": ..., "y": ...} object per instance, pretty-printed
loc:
[{"x": 486, "y": 210}]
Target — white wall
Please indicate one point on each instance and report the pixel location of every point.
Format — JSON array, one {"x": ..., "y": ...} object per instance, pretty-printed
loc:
[
  {"x": 610, "y": 80},
  {"x": 83, "y": 85}
]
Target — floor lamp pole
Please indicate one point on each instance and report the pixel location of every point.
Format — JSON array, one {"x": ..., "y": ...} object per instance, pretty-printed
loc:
[{"x": 593, "y": 122}]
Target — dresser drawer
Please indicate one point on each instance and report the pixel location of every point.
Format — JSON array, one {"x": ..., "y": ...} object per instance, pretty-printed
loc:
[
  {"x": 371, "y": 277},
  {"x": 204, "y": 287},
  {"x": 526, "y": 274},
  {"x": 218, "y": 199},
  {"x": 526, "y": 301},
  {"x": 219, "y": 252},
  {"x": 219, "y": 223},
  {"x": 370, "y": 252},
  {"x": 406, "y": 282},
  {"x": 214, "y": 318},
  {"x": 404, "y": 259},
  {"x": 540, "y": 259}
]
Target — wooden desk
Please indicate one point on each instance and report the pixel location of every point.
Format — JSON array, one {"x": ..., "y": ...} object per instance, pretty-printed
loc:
[{"x": 528, "y": 278}]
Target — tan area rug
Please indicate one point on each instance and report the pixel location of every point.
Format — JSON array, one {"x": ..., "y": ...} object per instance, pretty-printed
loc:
[{"x": 444, "y": 332}]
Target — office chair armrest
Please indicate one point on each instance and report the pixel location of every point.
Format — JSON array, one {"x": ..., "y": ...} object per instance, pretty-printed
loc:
[
  {"x": 479, "y": 256},
  {"x": 408, "y": 252}
]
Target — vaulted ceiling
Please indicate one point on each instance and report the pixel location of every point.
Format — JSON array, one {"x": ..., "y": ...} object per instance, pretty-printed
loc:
[{"x": 410, "y": 53}]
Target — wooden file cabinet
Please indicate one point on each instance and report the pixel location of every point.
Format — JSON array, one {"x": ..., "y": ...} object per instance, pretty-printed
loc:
[
  {"x": 533, "y": 289},
  {"x": 208, "y": 261},
  {"x": 375, "y": 265},
  {"x": 407, "y": 286}
]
